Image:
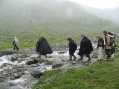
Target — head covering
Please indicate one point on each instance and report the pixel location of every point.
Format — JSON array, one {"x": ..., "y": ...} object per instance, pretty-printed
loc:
[
  {"x": 69, "y": 39},
  {"x": 15, "y": 39}
]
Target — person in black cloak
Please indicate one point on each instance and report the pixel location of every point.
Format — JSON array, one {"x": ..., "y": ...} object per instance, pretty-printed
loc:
[
  {"x": 43, "y": 47},
  {"x": 85, "y": 48},
  {"x": 72, "y": 48}
]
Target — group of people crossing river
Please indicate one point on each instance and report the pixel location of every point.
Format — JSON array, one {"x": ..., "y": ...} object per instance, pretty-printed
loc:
[{"x": 106, "y": 46}]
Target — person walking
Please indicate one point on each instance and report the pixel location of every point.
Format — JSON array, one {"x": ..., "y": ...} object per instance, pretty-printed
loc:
[
  {"x": 72, "y": 48},
  {"x": 15, "y": 44},
  {"x": 85, "y": 48},
  {"x": 100, "y": 47},
  {"x": 43, "y": 47}
]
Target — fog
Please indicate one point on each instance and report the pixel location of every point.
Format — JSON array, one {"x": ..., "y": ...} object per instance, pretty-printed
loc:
[
  {"x": 27, "y": 11},
  {"x": 9, "y": 8},
  {"x": 99, "y": 4}
]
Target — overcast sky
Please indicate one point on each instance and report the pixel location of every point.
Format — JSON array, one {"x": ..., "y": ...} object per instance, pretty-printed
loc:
[{"x": 100, "y": 4}]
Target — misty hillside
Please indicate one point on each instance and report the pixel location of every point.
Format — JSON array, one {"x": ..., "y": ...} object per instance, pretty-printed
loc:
[
  {"x": 55, "y": 19},
  {"x": 107, "y": 14},
  {"x": 55, "y": 14}
]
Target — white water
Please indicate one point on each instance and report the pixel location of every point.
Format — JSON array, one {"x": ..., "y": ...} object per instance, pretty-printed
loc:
[
  {"x": 5, "y": 59},
  {"x": 24, "y": 82}
]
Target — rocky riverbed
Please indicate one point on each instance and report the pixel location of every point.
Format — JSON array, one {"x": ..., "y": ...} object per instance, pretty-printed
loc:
[{"x": 22, "y": 70}]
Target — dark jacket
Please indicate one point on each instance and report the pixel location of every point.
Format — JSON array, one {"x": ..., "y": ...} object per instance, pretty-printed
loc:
[
  {"x": 72, "y": 47},
  {"x": 43, "y": 47},
  {"x": 100, "y": 43},
  {"x": 85, "y": 46}
]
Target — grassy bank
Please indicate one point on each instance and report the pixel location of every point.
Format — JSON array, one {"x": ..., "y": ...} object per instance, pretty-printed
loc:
[
  {"x": 102, "y": 75},
  {"x": 28, "y": 38}
]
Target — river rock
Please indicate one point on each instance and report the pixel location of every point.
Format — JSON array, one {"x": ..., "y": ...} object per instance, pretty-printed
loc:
[
  {"x": 17, "y": 87},
  {"x": 16, "y": 82},
  {"x": 61, "y": 52},
  {"x": 13, "y": 58},
  {"x": 30, "y": 62},
  {"x": 58, "y": 65},
  {"x": 2, "y": 79},
  {"x": 13, "y": 71},
  {"x": 36, "y": 74}
]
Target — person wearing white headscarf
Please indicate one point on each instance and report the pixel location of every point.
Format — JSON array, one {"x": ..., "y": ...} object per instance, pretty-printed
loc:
[{"x": 15, "y": 44}]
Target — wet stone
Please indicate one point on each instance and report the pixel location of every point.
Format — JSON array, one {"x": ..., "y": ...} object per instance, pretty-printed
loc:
[
  {"x": 61, "y": 52},
  {"x": 36, "y": 74},
  {"x": 57, "y": 65},
  {"x": 14, "y": 58},
  {"x": 2, "y": 79},
  {"x": 32, "y": 62}
]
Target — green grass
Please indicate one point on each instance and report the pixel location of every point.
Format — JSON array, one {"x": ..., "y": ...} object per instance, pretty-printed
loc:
[
  {"x": 50, "y": 22},
  {"x": 102, "y": 75},
  {"x": 56, "y": 32},
  {"x": 28, "y": 38}
]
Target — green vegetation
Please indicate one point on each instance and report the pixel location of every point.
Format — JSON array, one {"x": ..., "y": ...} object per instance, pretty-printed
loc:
[
  {"x": 56, "y": 36},
  {"x": 102, "y": 75},
  {"x": 30, "y": 21}
]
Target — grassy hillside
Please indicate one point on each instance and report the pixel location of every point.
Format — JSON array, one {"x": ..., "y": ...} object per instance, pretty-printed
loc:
[
  {"x": 102, "y": 75},
  {"x": 56, "y": 33},
  {"x": 53, "y": 19}
]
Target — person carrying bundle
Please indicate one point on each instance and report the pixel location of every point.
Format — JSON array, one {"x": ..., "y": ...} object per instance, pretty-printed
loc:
[
  {"x": 109, "y": 42},
  {"x": 72, "y": 48},
  {"x": 43, "y": 47},
  {"x": 85, "y": 48}
]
